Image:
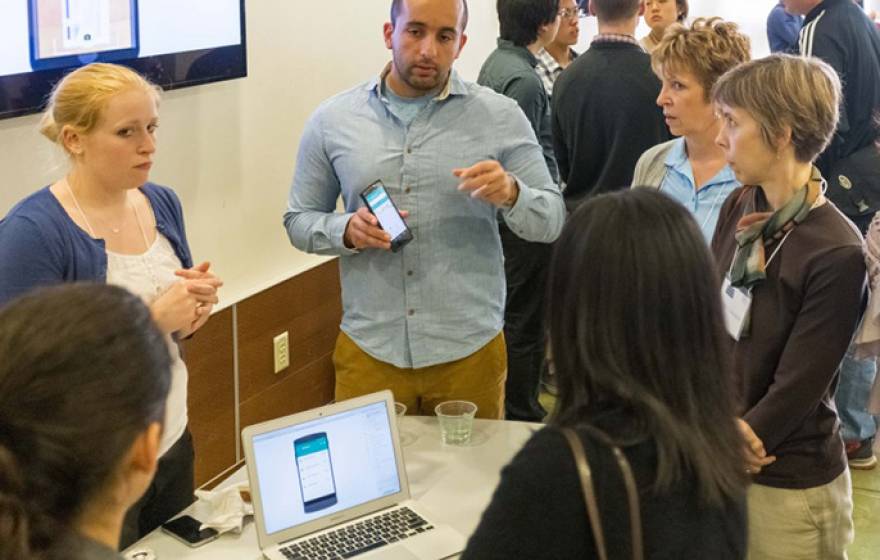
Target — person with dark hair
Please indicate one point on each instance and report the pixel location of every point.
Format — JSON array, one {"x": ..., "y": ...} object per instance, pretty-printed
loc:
[
  {"x": 558, "y": 54},
  {"x": 659, "y": 15},
  {"x": 84, "y": 376},
  {"x": 794, "y": 283},
  {"x": 604, "y": 114},
  {"x": 783, "y": 29},
  {"x": 841, "y": 34},
  {"x": 425, "y": 321},
  {"x": 103, "y": 221},
  {"x": 641, "y": 365},
  {"x": 527, "y": 26}
]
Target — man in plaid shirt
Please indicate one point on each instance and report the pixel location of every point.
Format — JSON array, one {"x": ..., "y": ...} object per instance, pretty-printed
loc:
[{"x": 556, "y": 56}]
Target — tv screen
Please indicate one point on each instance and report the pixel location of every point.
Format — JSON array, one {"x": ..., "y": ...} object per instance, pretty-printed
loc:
[{"x": 174, "y": 43}]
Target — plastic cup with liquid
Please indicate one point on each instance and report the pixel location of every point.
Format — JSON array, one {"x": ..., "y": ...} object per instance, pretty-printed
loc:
[{"x": 456, "y": 421}]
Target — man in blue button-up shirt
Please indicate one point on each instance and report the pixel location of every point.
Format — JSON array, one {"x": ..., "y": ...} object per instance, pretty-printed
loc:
[{"x": 425, "y": 321}]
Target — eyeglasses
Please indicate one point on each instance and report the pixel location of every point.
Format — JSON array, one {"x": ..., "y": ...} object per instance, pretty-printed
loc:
[{"x": 572, "y": 13}]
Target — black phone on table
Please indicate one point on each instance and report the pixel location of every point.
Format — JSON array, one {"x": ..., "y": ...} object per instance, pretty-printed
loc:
[
  {"x": 380, "y": 204},
  {"x": 186, "y": 529}
]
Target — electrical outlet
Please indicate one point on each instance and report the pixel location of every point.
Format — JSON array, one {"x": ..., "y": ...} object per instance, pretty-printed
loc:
[{"x": 282, "y": 351}]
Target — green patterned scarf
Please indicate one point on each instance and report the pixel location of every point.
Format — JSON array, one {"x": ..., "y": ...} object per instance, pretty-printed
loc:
[{"x": 757, "y": 230}]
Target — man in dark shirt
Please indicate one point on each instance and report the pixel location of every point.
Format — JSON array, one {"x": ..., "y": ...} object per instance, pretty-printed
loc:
[
  {"x": 839, "y": 32},
  {"x": 604, "y": 114},
  {"x": 526, "y": 27}
]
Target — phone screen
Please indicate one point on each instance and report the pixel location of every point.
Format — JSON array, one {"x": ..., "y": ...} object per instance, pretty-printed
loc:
[
  {"x": 187, "y": 528},
  {"x": 380, "y": 204},
  {"x": 315, "y": 471}
]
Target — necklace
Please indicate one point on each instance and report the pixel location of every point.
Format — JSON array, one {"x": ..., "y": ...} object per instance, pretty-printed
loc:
[{"x": 86, "y": 219}]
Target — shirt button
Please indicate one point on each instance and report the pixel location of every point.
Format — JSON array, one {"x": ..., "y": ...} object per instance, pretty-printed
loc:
[
  {"x": 411, "y": 312},
  {"x": 407, "y": 190},
  {"x": 409, "y": 272},
  {"x": 409, "y": 149}
]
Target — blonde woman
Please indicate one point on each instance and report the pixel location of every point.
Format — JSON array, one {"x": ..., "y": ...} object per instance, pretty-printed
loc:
[
  {"x": 659, "y": 15},
  {"x": 794, "y": 278},
  {"x": 692, "y": 168},
  {"x": 104, "y": 222}
]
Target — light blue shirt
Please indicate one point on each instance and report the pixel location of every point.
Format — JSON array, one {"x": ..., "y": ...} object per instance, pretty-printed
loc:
[
  {"x": 441, "y": 297},
  {"x": 705, "y": 204}
]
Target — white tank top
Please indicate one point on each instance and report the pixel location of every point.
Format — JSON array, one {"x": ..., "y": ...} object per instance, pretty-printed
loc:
[{"x": 148, "y": 275}]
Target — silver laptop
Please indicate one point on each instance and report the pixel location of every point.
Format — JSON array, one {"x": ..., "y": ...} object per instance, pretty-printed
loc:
[{"x": 331, "y": 483}]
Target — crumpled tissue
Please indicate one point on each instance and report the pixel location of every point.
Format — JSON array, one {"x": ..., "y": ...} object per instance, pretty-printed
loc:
[{"x": 224, "y": 510}]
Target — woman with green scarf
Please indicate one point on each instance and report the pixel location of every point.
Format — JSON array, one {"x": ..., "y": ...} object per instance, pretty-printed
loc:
[{"x": 793, "y": 279}]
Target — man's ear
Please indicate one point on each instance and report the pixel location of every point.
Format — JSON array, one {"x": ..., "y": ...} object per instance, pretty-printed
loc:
[
  {"x": 592, "y": 9},
  {"x": 462, "y": 41},
  {"x": 642, "y": 8},
  {"x": 387, "y": 32}
]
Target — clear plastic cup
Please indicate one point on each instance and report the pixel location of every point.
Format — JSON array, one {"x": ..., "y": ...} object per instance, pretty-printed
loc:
[
  {"x": 399, "y": 410},
  {"x": 456, "y": 421}
]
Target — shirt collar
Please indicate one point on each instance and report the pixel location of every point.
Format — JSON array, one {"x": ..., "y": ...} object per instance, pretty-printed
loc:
[
  {"x": 677, "y": 159},
  {"x": 549, "y": 62},
  {"x": 506, "y": 45},
  {"x": 615, "y": 38},
  {"x": 454, "y": 85}
]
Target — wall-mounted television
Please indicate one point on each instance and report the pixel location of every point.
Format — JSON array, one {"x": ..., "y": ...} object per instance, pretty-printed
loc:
[{"x": 174, "y": 43}]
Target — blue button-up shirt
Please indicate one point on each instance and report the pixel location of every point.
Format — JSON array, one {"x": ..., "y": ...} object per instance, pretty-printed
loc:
[
  {"x": 441, "y": 297},
  {"x": 704, "y": 204}
]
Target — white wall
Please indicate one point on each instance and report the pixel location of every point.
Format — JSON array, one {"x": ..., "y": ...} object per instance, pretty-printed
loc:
[{"x": 228, "y": 149}]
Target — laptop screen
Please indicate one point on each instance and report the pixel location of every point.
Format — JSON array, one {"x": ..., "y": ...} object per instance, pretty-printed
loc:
[{"x": 325, "y": 466}]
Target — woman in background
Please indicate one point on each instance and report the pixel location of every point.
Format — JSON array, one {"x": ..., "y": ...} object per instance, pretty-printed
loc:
[
  {"x": 84, "y": 375},
  {"x": 104, "y": 222},
  {"x": 692, "y": 168},
  {"x": 660, "y": 14},
  {"x": 794, "y": 279},
  {"x": 636, "y": 335}
]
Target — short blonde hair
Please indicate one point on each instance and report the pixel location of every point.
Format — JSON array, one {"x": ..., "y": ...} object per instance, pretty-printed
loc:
[
  {"x": 707, "y": 49},
  {"x": 784, "y": 91},
  {"x": 80, "y": 97}
]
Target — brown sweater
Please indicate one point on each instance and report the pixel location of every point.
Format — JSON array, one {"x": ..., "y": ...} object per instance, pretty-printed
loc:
[{"x": 802, "y": 319}]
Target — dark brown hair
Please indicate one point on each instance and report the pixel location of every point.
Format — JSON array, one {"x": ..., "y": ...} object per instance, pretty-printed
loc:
[
  {"x": 83, "y": 371},
  {"x": 635, "y": 327}
]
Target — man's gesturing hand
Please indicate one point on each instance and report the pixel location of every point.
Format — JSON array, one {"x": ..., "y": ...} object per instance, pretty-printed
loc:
[{"x": 487, "y": 180}]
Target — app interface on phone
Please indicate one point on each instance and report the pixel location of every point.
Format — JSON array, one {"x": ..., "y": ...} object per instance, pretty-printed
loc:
[
  {"x": 73, "y": 27},
  {"x": 354, "y": 459},
  {"x": 385, "y": 212},
  {"x": 315, "y": 471}
]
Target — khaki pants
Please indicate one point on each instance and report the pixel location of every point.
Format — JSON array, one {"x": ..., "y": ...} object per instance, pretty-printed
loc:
[
  {"x": 478, "y": 378},
  {"x": 811, "y": 524}
]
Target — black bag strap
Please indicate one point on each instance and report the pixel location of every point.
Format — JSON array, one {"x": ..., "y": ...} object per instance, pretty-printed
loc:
[{"x": 589, "y": 492}]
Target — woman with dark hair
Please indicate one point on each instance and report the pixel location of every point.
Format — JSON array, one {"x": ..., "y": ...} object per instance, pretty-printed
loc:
[
  {"x": 794, "y": 278},
  {"x": 636, "y": 336},
  {"x": 84, "y": 375}
]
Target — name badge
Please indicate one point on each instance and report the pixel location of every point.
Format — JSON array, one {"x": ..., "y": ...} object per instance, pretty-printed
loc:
[{"x": 737, "y": 302}]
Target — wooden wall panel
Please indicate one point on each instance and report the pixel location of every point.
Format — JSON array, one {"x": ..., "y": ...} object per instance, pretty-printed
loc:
[
  {"x": 306, "y": 388},
  {"x": 209, "y": 359},
  {"x": 309, "y": 307}
]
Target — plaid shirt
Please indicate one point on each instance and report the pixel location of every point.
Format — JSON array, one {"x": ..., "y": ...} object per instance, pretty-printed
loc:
[
  {"x": 616, "y": 38},
  {"x": 548, "y": 69}
]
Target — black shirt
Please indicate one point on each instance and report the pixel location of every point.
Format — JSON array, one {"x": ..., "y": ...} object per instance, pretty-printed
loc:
[
  {"x": 839, "y": 32},
  {"x": 538, "y": 509},
  {"x": 604, "y": 117}
]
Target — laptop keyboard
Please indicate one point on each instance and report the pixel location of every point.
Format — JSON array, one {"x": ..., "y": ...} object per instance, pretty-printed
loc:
[{"x": 360, "y": 537}]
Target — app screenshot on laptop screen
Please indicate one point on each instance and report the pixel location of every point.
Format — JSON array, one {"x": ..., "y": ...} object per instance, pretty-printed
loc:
[{"x": 320, "y": 467}]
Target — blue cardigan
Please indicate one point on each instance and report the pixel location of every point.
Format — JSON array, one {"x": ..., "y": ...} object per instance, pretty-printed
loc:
[{"x": 40, "y": 245}]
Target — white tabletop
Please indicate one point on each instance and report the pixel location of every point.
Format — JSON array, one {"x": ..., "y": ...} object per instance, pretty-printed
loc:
[{"x": 453, "y": 483}]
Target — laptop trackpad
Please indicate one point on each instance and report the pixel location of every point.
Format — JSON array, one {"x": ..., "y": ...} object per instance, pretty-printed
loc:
[
  {"x": 440, "y": 543},
  {"x": 396, "y": 553}
]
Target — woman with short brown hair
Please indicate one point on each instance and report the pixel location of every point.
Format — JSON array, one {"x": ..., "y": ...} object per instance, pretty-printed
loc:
[{"x": 794, "y": 277}]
